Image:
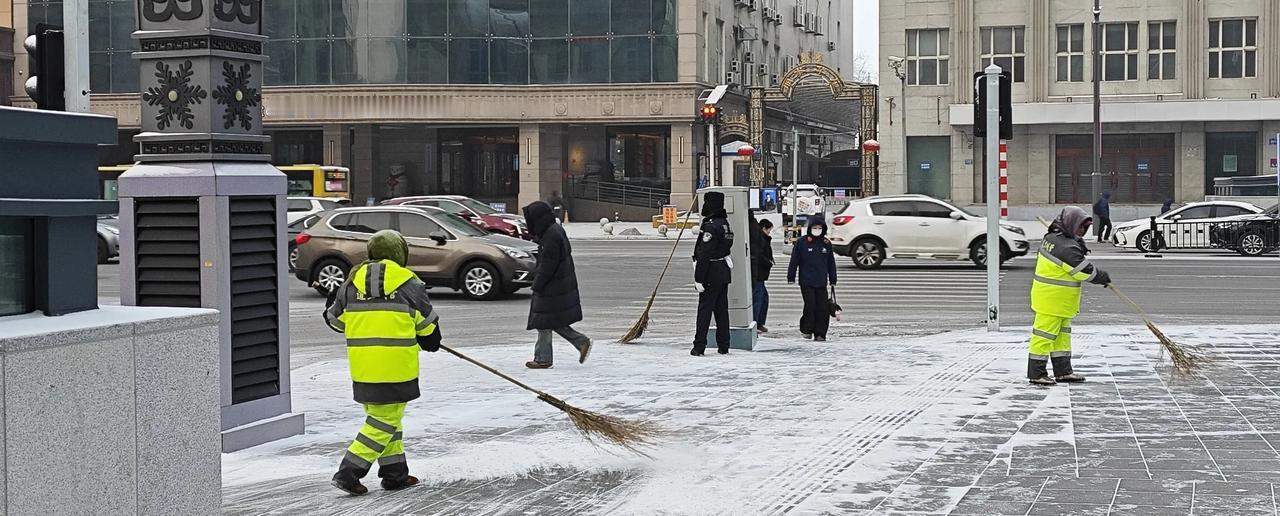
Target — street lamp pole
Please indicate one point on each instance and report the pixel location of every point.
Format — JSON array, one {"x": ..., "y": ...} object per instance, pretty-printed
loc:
[
  {"x": 1096, "y": 180},
  {"x": 896, "y": 64}
]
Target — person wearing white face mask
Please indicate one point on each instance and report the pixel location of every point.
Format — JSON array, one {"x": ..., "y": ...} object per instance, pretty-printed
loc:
[{"x": 815, "y": 262}]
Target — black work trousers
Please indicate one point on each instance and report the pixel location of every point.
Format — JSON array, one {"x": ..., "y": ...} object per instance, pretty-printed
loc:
[
  {"x": 713, "y": 300},
  {"x": 816, "y": 317}
]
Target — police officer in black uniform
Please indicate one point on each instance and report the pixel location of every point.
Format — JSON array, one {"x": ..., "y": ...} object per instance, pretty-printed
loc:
[{"x": 712, "y": 273}]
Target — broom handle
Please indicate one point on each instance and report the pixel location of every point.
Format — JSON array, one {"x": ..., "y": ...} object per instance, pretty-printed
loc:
[
  {"x": 492, "y": 370},
  {"x": 673, "y": 251}
]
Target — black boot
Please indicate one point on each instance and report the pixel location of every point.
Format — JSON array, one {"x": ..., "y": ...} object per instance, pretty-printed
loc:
[
  {"x": 347, "y": 482},
  {"x": 1063, "y": 372},
  {"x": 396, "y": 485},
  {"x": 348, "y": 476},
  {"x": 1038, "y": 372}
]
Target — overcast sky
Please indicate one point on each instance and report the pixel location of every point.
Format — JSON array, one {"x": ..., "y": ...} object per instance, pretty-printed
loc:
[{"x": 867, "y": 29}]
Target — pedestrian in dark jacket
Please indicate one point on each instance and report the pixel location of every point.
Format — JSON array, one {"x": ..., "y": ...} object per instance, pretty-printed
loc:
[
  {"x": 1102, "y": 213},
  {"x": 761, "y": 265},
  {"x": 1168, "y": 204},
  {"x": 555, "y": 303},
  {"x": 712, "y": 272},
  {"x": 814, "y": 259}
]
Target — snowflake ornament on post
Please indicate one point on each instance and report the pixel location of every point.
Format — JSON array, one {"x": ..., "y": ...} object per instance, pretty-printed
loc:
[
  {"x": 237, "y": 95},
  {"x": 174, "y": 95}
]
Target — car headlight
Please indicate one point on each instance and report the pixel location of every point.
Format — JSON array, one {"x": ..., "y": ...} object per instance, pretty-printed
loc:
[
  {"x": 515, "y": 253},
  {"x": 1126, "y": 227},
  {"x": 1013, "y": 228}
]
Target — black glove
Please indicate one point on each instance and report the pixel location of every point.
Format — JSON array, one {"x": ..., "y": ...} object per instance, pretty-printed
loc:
[
  {"x": 430, "y": 343},
  {"x": 1102, "y": 278}
]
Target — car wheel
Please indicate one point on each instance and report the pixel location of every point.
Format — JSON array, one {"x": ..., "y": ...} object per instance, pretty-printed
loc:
[
  {"x": 329, "y": 275},
  {"x": 293, "y": 257},
  {"x": 1146, "y": 241},
  {"x": 978, "y": 253},
  {"x": 103, "y": 255},
  {"x": 480, "y": 281},
  {"x": 1252, "y": 244},
  {"x": 867, "y": 254}
]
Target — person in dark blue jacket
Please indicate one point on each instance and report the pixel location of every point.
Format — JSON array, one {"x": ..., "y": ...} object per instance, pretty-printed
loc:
[
  {"x": 1102, "y": 214},
  {"x": 816, "y": 263}
]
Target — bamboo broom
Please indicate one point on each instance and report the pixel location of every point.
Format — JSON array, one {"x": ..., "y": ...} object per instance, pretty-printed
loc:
[
  {"x": 642, "y": 324},
  {"x": 1186, "y": 360},
  {"x": 631, "y": 435}
]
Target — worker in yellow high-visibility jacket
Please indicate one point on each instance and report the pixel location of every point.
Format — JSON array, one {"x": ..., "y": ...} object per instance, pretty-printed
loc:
[
  {"x": 1061, "y": 270},
  {"x": 386, "y": 315}
]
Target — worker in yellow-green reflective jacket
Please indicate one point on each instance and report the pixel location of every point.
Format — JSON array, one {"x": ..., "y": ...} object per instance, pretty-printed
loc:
[
  {"x": 1061, "y": 270},
  {"x": 387, "y": 317}
]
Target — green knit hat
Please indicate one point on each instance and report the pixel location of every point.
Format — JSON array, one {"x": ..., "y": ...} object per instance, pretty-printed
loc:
[{"x": 389, "y": 245}]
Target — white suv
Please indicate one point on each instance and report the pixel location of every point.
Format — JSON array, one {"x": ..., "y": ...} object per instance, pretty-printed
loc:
[{"x": 916, "y": 226}]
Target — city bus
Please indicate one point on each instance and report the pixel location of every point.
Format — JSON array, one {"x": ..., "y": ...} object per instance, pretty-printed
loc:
[{"x": 304, "y": 180}]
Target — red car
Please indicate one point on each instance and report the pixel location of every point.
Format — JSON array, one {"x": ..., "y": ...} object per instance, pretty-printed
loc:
[{"x": 476, "y": 212}]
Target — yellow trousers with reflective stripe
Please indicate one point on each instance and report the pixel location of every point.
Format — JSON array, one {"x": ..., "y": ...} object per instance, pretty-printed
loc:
[
  {"x": 380, "y": 438},
  {"x": 1050, "y": 337}
]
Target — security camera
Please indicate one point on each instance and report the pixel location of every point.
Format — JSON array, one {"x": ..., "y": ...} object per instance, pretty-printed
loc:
[{"x": 895, "y": 60}]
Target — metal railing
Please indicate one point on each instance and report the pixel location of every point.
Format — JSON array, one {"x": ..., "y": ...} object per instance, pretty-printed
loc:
[
  {"x": 1250, "y": 237},
  {"x": 619, "y": 193}
]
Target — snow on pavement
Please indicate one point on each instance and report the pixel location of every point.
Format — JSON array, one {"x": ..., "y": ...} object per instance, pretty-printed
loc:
[{"x": 936, "y": 424}]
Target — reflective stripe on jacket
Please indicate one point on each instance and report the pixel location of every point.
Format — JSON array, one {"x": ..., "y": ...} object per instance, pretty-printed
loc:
[
  {"x": 382, "y": 313},
  {"x": 1061, "y": 270}
]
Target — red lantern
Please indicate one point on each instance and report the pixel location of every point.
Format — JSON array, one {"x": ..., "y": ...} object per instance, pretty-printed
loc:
[
  {"x": 871, "y": 146},
  {"x": 746, "y": 151}
]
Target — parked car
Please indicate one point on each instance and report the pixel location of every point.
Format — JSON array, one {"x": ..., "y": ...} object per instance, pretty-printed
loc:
[
  {"x": 1249, "y": 235},
  {"x": 476, "y": 212},
  {"x": 108, "y": 238},
  {"x": 873, "y": 229},
  {"x": 809, "y": 201},
  {"x": 302, "y": 207},
  {"x": 1186, "y": 227},
  {"x": 445, "y": 250},
  {"x": 295, "y": 228}
]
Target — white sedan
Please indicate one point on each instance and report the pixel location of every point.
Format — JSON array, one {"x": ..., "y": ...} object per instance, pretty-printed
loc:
[{"x": 1186, "y": 227}]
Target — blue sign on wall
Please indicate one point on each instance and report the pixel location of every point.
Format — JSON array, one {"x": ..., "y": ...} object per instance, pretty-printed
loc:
[
  {"x": 926, "y": 165},
  {"x": 1144, "y": 166}
]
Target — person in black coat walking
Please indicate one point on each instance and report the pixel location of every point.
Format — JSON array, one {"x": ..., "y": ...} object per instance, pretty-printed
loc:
[
  {"x": 761, "y": 266},
  {"x": 712, "y": 273},
  {"x": 555, "y": 304},
  {"x": 814, "y": 259},
  {"x": 1102, "y": 214}
]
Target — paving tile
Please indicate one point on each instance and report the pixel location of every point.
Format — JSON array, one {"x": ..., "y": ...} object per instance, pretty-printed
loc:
[
  {"x": 1068, "y": 509},
  {"x": 1076, "y": 496},
  {"x": 991, "y": 508},
  {"x": 1147, "y": 510}
]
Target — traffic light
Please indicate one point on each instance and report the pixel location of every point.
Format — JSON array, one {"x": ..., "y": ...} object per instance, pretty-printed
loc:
[
  {"x": 980, "y": 105},
  {"x": 710, "y": 114},
  {"x": 46, "y": 79}
]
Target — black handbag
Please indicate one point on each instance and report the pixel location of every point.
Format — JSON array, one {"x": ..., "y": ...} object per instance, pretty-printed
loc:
[{"x": 832, "y": 306}]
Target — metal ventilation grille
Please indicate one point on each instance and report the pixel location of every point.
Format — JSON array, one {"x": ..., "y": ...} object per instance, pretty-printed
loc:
[
  {"x": 168, "y": 252},
  {"x": 255, "y": 318}
]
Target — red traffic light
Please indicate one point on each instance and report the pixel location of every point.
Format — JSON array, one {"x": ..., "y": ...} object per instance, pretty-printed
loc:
[{"x": 710, "y": 113}]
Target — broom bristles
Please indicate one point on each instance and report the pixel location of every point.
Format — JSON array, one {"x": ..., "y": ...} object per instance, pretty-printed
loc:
[
  {"x": 637, "y": 329},
  {"x": 595, "y": 427},
  {"x": 1186, "y": 360}
]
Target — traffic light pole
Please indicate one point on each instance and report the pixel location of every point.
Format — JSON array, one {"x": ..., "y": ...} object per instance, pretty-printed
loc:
[
  {"x": 713, "y": 155},
  {"x": 75, "y": 20},
  {"x": 992, "y": 165}
]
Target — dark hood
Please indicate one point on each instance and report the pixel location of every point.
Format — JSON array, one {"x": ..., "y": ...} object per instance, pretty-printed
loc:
[
  {"x": 713, "y": 205},
  {"x": 1070, "y": 220},
  {"x": 539, "y": 217},
  {"x": 817, "y": 223}
]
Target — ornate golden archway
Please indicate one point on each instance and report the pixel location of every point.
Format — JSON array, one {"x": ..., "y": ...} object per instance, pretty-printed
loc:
[
  {"x": 735, "y": 125},
  {"x": 812, "y": 65}
]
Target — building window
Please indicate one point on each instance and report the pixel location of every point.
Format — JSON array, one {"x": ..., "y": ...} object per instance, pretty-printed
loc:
[
  {"x": 1120, "y": 51},
  {"x": 1233, "y": 48},
  {"x": 1003, "y": 46},
  {"x": 927, "y": 57},
  {"x": 1071, "y": 53},
  {"x": 15, "y": 265},
  {"x": 1162, "y": 54}
]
